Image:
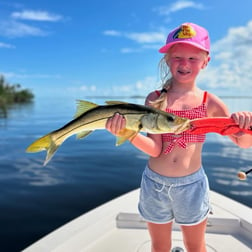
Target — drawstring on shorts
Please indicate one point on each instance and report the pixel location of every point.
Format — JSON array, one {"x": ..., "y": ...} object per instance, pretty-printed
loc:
[
  {"x": 160, "y": 190},
  {"x": 169, "y": 190}
]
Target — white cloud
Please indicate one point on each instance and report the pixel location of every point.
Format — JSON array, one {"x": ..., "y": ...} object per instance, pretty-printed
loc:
[
  {"x": 238, "y": 40},
  {"x": 14, "y": 27},
  {"x": 147, "y": 40},
  {"x": 4, "y": 45},
  {"x": 231, "y": 61},
  {"x": 78, "y": 90},
  {"x": 139, "y": 37},
  {"x": 13, "y": 75},
  {"x": 146, "y": 37},
  {"x": 17, "y": 29},
  {"x": 36, "y": 16},
  {"x": 112, "y": 33},
  {"x": 91, "y": 88},
  {"x": 177, "y": 6},
  {"x": 147, "y": 84},
  {"x": 140, "y": 87},
  {"x": 130, "y": 50}
]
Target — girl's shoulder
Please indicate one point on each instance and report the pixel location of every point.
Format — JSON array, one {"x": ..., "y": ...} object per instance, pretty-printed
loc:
[
  {"x": 213, "y": 99},
  {"x": 152, "y": 96},
  {"x": 215, "y": 106}
]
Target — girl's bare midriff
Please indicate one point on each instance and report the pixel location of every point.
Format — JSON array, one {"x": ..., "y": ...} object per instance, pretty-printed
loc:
[{"x": 179, "y": 162}]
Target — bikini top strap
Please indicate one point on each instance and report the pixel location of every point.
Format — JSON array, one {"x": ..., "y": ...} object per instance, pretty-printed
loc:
[{"x": 205, "y": 97}]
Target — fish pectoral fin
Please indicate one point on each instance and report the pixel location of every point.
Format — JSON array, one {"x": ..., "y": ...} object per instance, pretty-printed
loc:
[
  {"x": 84, "y": 106},
  {"x": 83, "y": 134},
  {"x": 125, "y": 135},
  {"x": 115, "y": 102}
]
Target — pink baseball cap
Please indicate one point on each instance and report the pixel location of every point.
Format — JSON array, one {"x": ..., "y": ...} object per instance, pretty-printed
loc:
[{"x": 188, "y": 33}]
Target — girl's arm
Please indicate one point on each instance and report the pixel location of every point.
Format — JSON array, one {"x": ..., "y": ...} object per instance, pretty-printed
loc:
[
  {"x": 216, "y": 107},
  {"x": 150, "y": 144}
]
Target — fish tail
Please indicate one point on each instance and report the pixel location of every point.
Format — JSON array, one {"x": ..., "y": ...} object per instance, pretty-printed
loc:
[{"x": 44, "y": 143}]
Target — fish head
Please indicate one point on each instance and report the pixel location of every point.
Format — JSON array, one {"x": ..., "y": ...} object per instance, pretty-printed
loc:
[
  {"x": 170, "y": 123},
  {"x": 162, "y": 122},
  {"x": 181, "y": 124}
]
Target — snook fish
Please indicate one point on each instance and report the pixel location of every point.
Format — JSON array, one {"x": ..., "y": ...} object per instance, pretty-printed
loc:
[{"x": 90, "y": 117}]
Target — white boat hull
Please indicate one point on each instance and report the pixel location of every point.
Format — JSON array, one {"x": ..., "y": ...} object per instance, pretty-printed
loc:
[{"x": 117, "y": 226}]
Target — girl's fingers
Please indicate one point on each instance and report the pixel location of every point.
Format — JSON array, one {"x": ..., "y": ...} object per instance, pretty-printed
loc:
[
  {"x": 244, "y": 119},
  {"x": 116, "y": 123}
]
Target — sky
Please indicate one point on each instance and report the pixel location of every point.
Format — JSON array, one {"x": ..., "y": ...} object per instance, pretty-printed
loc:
[{"x": 98, "y": 48}]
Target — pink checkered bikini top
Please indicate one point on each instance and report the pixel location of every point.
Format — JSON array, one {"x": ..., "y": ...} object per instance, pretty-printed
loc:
[{"x": 182, "y": 139}]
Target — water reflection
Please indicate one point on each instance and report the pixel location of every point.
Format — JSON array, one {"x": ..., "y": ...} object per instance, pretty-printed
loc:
[
  {"x": 222, "y": 161},
  {"x": 32, "y": 172}
]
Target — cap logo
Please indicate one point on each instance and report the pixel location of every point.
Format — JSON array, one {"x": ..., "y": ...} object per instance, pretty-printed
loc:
[{"x": 185, "y": 31}]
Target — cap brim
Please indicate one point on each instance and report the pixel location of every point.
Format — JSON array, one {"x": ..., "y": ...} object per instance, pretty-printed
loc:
[{"x": 165, "y": 48}]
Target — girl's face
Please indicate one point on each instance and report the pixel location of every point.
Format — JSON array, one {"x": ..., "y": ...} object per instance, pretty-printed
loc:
[{"x": 185, "y": 62}]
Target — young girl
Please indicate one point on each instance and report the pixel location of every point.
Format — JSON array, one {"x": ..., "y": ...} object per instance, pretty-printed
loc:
[{"x": 174, "y": 185}]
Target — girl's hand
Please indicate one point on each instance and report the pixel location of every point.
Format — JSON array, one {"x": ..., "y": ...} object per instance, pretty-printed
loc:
[
  {"x": 243, "y": 119},
  {"x": 115, "y": 124}
]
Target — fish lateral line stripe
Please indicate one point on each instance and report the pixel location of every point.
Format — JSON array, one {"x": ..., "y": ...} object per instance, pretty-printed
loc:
[
  {"x": 83, "y": 124},
  {"x": 123, "y": 114},
  {"x": 72, "y": 129}
]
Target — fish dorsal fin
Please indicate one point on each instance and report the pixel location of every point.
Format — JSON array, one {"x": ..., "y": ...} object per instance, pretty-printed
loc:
[
  {"x": 115, "y": 102},
  {"x": 84, "y": 106}
]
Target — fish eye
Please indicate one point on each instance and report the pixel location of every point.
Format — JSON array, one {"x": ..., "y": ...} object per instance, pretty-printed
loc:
[{"x": 170, "y": 118}]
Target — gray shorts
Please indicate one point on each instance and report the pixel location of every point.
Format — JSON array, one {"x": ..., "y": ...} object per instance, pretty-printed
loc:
[{"x": 183, "y": 199}]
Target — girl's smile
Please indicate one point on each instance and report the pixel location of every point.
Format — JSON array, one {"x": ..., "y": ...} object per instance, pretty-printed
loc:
[{"x": 185, "y": 62}]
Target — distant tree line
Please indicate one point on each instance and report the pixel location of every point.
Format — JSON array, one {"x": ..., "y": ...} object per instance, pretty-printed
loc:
[{"x": 12, "y": 94}]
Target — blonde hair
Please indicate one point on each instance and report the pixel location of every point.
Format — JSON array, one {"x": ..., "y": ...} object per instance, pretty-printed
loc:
[{"x": 166, "y": 80}]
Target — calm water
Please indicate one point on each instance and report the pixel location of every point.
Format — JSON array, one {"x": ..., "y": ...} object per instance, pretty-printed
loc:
[{"x": 34, "y": 200}]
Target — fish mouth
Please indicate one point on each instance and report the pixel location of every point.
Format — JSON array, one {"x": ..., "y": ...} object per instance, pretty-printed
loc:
[{"x": 183, "y": 125}]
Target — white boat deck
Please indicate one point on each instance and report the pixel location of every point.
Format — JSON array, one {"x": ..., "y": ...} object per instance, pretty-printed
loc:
[{"x": 116, "y": 226}]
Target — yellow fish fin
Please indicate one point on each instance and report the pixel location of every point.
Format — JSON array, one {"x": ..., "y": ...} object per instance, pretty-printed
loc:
[
  {"x": 125, "y": 134},
  {"x": 84, "y": 106},
  {"x": 115, "y": 102},
  {"x": 83, "y": 134},
  {"x": 41, "y": 144},
  {"x": 44, "y": 143}
]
